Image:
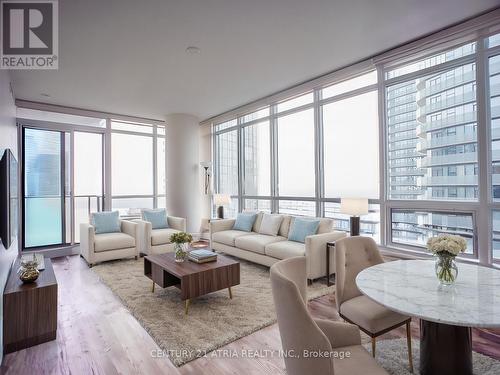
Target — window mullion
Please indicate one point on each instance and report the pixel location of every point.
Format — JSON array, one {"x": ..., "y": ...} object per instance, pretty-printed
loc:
[
  {"x": 274, "y": 157},
  {"x": 484, "y": 217}
]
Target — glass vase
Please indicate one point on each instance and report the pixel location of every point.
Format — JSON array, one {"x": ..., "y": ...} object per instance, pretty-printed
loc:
[
  {"x": 446, "y": 269},
  {"x": 181, "y": 251}
]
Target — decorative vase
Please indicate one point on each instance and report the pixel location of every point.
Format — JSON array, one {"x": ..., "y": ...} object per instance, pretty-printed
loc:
[
  {"x": 28, "y": 272},
  {"x": 446, "y": 269},
  {"x": 181, "y": 251}
]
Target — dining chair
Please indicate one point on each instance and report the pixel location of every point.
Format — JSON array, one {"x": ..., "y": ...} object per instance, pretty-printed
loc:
[
  {"x": 303, "y": 337},
  {"x": 352, "y": 255}
]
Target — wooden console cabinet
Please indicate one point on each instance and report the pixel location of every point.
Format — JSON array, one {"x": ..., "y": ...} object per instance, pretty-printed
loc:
[{"x": 29, "y": 310}]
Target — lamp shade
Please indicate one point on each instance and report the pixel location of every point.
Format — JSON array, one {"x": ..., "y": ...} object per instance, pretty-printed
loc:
[
  {"x": 222, "y": 199},
  {"x": 354, "y": 206}
]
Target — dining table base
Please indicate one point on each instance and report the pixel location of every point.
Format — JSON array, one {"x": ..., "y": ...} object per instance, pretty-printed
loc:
[{"x": 445, "y": 349}]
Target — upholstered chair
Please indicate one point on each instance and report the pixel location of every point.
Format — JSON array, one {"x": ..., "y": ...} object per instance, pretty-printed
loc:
[
  {"x": 157, "y": 241},
  {"x": 101, "y": 247},
  {"x": 302, "y": 335},
  {"x": 352, "y": 255}
]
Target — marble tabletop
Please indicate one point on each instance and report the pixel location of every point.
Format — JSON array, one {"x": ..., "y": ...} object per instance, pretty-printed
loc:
[{"x": 411, "y": 287}]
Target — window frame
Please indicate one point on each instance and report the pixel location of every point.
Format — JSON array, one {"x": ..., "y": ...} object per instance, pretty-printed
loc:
[{"x": 476, "y": 30}]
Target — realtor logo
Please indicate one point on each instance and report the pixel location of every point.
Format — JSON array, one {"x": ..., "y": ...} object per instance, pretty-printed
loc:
[{"x": 29, "y": 34}]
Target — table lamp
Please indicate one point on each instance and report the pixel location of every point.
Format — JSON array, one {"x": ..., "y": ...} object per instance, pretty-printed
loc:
[
  {"x": 354, "y": 207},
  {"x": 221, "y": 200}
]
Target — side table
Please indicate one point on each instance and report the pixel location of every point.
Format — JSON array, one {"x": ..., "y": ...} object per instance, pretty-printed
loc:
[{"x": 30, "y": 310}]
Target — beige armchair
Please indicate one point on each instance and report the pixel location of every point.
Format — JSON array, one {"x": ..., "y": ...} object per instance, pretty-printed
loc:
[
  {"x": 303, "y": 337},
  {"x": 96, "y": 248},
  {"x": 352, "y": 255},
  {"x": 157, "y": 241}
]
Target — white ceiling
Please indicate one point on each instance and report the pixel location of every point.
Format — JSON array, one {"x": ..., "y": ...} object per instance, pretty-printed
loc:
[{"x": 128, "y": 56}]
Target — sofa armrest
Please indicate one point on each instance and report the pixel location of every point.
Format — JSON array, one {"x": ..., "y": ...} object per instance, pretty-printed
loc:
[
  {"x": 316, "y": 253},
  {"x": 339, "y": 333},
  {"x": 87, "y": 237},
  {"x": 178, "y": 223},
  {"x": 129, "y": 227},
  {"x": 143, "y": 239},
  {"x": 220, "y": 225}
]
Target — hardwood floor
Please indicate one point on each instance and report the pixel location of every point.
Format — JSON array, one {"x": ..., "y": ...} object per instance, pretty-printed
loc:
[{"x": 97, "y": 335}]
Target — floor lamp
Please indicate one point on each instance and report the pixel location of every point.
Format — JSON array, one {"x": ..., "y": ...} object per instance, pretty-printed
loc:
[{"x": 355, "y": 207}]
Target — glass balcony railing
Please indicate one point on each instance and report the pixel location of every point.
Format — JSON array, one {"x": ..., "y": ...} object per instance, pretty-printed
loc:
[
  {"x": 449, "y": 83},
  {"x": 461, "y": 119},
  {"x": 451, "y": 159},
  {"x": 471, "y": 180},
  {"x": 456, "y": 100},
  {"x": 449, "y": 140}
]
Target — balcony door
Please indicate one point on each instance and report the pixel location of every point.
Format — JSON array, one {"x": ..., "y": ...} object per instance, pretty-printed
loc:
[
  {"x": 44, "y": 188},
  {"x": 62, "y": 185}
]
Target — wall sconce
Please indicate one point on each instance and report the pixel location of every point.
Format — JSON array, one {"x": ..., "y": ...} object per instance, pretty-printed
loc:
[{"x": 207, "y": 165}]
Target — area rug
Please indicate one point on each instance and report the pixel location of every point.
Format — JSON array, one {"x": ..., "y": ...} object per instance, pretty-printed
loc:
[
  {"x": 213, "y": 321},
  {"x": 392, "y": 355}
]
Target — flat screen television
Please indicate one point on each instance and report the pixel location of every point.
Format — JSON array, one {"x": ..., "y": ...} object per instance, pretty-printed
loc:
[{"x": 8, "y": 198}]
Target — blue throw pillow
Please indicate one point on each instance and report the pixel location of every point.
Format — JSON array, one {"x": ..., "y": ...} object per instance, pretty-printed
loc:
[
  {"x": 301, "y": 228},
  {"x": 106, "y": 222},
  {"x": 244, "y": 221},
  {"x": 157, "y": 218}
]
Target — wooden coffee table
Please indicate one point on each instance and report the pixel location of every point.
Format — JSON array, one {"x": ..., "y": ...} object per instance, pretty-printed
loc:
[{"x": 191, "y": 278}]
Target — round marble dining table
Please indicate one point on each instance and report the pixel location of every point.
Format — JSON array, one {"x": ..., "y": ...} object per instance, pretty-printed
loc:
[{"x": 446, "y": 313}]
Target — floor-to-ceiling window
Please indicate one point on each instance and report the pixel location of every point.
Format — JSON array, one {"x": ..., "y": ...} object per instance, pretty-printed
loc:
[
  {"x": 431, "y": 133},
  {"x": 351, "y": 161},
  {"x": 75, "y": 165},
  {"x": 413, "y": 130}
]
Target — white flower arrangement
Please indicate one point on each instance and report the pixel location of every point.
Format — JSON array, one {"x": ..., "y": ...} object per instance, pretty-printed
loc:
[{"x": 447, "y": 243}]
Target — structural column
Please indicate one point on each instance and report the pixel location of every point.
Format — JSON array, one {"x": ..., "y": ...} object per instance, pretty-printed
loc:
[{"x": 183, "y": 184}]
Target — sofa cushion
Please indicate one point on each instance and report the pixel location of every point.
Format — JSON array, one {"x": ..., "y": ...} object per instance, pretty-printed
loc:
[
  {"x": 162, "y": 236},
  {"x": 301, "y": 228},
  {"x": 370, "y": 315},
  {"x": 157, "y": 218},
  {"x": 227, "y": 237},
  {"x": 113, "y": 241},
  {"x": 270, "y": 224},
  {"x": 106, "y": 222},
  {"x": 258, "y": 221},
  {"x": 285, "y": 249},
  {"x": 245, "y": 221},
  {"x": 257, "y": 242},
  {"x": 285, "y": 226},
  {"x": 325, "y": 225}
]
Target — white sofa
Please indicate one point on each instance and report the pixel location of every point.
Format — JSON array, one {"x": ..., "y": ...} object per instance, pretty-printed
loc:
[
  {"x": 157, "y": 241},
  {"x": 101, "y": 247},
  {"x": 267, "y": 250}
]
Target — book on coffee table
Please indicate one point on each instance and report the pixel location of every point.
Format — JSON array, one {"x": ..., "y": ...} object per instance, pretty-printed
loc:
[{"x": 202, "y": 256}]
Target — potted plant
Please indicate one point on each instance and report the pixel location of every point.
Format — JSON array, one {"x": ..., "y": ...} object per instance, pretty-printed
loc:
[
  {"x": 446, "y": 247},
  {"x": 181, "y": 241}
]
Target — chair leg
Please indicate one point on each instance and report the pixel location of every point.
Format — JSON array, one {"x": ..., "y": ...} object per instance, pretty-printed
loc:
[
  {"x": 136, "y": 257},
  {"x": 373, "y": 346},
  {"x": 408, "y": 340}
]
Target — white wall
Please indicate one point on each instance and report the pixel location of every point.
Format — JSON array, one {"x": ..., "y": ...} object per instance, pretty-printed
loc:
[
  {"x": 8, "y": 139},
  {"x": 183, "y": 183}
]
